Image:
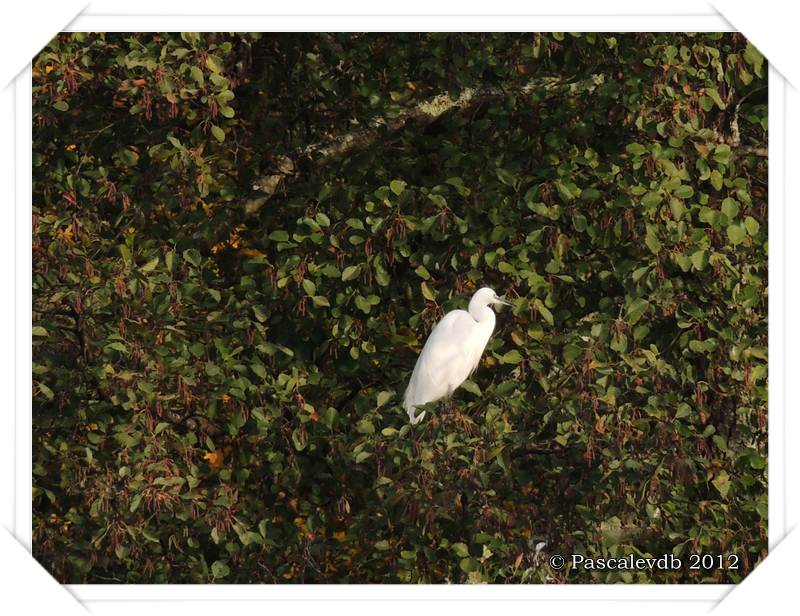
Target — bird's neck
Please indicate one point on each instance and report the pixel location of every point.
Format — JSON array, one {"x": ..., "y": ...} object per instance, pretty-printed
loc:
[{"x": 482, "y": 314}]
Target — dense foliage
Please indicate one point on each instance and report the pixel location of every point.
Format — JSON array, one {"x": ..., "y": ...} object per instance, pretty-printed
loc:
[{"x": 216, "y": 392}]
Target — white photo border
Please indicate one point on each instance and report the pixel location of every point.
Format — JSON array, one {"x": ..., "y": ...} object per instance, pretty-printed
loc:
[{"x": 104, "y": 597}]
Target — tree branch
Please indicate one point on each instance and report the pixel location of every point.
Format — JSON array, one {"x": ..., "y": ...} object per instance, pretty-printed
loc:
[
  {"x": 287, "y": 168},
  {"x": 754, "y": 150},
  {"x": 537, "y": 450}
]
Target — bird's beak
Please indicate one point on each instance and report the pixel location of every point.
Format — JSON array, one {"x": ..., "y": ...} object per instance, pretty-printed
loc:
[{"x": 502, "y": 300}]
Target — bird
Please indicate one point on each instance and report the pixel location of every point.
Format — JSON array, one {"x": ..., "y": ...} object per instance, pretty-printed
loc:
[{"x": 451, "y": 352}]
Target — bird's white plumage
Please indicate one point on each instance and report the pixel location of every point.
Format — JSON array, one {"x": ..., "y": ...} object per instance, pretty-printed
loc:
[{"x": 451, "y": 352}]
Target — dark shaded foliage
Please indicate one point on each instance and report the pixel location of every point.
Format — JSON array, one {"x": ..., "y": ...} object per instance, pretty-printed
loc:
[{"x": 216, "y": 394}]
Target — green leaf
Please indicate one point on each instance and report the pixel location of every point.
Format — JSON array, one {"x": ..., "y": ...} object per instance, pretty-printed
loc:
[
  {"x": 722, "y": 153},
  {"x": 45, "y": 390},
  {"x": 683, "y": 410},
  {"x": 135, "y": 502},
  {"x": 365, "y": 426},
  {"x": 471, "y": 387},
  {"x": 61, "y": 105},
  {"x": 299, "y": 439},
  {"x": 150, "y": 265},
  {"x": 214, "y": 63},
  {"x": 125, "y": 253},
  {"x": 730, "y": 208},
  {"x": 220, "y": 569},
  {"x": 363, "y": 304},
  {"x": 752, "y": 226},
  {"x": 713, "y": 94},
  {"x": 722, "y": 482},
  {"x": 128, "y": 157},
  {"x": 397, "y": 187},
  {"x": 683, "y": 191},
  {"x": 736, "y": 234},
  {"x": 567, "y": 190},
  {"x": 651, "y": 199},
  {"x": 197, "y": 75},
  {"x": 652, "y": 242},
  {"x": 350, "y": 272},
  {"x": 221, "y": 83},
  {"x": 38, "y": 330},
  {"x": 460, "y": 549},
  {"x": 384, "y": 397},
  {"x": 753, "y": 57},
  {"x": 259, "y": 313},
  {"x": 636, "y": 309},
  {"x": 677, "y": 208},
  {"x": 218, "y": 133},
  {"x": 700, "y": 259},
  {"x": 611, "y": 530},
  {"x": 192, "y": 256},
  {"x": 512, "y": 357},
  {"x": 117, "y": 346},
  {"x": 468, "y": 565},
  {"x": 544, "y": 311},
  {"x": 278, "y": 236},
  {"x": 309, "y": 287},
  {"x": 716, "y": 180},
  {"x": 506, "y": 177},
  {"x": 150, "y": 536},
  {"x": 571, "y": 352},
  {"x": 757, "y": 461},
  {"x": 423, "y": 273},
  {"x": 427, "y": 292}
]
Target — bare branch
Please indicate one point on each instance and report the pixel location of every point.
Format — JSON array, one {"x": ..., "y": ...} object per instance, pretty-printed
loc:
[{"x": 425, "y": 112}]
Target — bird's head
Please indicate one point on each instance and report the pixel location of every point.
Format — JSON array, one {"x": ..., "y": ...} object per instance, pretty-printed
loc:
[{"x": 487, "y": 297}]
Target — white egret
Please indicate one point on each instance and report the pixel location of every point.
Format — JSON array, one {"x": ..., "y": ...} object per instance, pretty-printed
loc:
[{"x": 452, "y": 352}]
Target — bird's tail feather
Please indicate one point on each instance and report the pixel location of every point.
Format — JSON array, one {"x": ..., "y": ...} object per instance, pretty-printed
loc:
[{"x": 411, "y": 409}]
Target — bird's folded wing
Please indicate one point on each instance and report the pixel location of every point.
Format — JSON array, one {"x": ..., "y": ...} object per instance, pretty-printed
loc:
[{"x": 449, "y": 340}]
